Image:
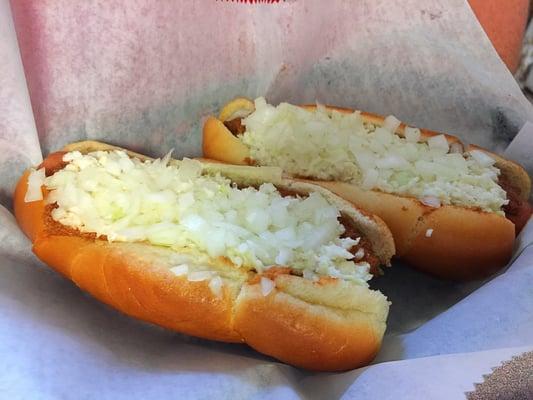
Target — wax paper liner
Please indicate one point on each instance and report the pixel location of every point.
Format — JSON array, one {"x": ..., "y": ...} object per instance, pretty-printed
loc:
[{"x": 144, "y": 75}]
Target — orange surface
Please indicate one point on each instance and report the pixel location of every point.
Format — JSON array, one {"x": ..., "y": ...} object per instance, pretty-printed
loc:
[{"x": 504, "y": 21}]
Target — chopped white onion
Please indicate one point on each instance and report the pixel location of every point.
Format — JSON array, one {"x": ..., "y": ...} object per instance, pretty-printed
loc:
[
  {"x": 370, "y": 179},
  {"x": 482, "y": 158},
  {"x": 429, "y": 232},
  {"x": 180, "y": 206},
  {"x": 240, "y": 113},
  {"x": 438, "y": 142},
  {"x": 431, "y": 201},
  {"x": 383, "y": 138},
  {"x": 329, "y": 145},
  {"x": 391, "y": 123},
  {"x": 267, "y": 285},
  {"x": 456, "y": 147},
  {"x": 198, "y": 276},
  {"x": 359, "y": 254},
  {"x": 310, "y": 275},
  {"x": 284, "y": 256},
  {"x": 215, "y": 284},
  {"x": 35, "y": 181},
  {"x": 412, "y": 135},
  {"x": 166, "y": 158},
  {"x": 180, "y": 270},
  {"x": 71, "y": 156},
  {"x": 392, "y": 161}
]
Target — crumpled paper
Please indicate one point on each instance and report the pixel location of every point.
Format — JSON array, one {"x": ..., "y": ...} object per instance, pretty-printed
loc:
[{"x": 144, "y": 75}]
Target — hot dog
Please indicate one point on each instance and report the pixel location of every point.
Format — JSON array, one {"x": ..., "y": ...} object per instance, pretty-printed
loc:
[
  {"x": 234, "y": 254},
  {"x": 453, "y": 210}
]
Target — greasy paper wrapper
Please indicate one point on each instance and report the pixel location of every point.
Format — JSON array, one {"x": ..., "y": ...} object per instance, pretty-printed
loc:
[{"x": 144, "y": 75}]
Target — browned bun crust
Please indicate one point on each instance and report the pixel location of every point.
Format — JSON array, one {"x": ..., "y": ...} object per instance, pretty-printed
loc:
[
  {"x": 339, "y": 326},
  {"x": 486, "y": 242},
  {"x": 219, "y": 144},
  {"x": 464, "y": 244},
  {"x": 135, "y": 279},
  {"x": 313, "y": 322}
]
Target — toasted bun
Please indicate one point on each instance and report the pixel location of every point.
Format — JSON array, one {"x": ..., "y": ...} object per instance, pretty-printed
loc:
[
  {"x": 220, "y": 144},
  {"x": 326, "y": 325},
  {"x": 449, "y": 242}
]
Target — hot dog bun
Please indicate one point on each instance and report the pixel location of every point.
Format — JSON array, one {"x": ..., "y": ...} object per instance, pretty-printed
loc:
[
  {"x": 450, "y": 242},
  {"x": 327, "y": 325}
]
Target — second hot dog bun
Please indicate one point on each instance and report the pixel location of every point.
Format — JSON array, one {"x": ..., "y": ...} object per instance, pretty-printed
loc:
[
  {"x": 327, "y": 324},
  {"x": 451, "y": 242}
]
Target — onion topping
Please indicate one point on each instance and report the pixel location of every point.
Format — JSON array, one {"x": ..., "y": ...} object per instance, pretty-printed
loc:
[
  {"x": 457, "y": 147},
  {"x": 430, "y": 201},
  {"x": 181, "y": 206},
  {"x": 482, "y": 158},
  {"x": 438, "y": 142},
  {"x": 330, "y": 145},
  {"x": 198, "y": 276},
  {"x": 267, "y": 285},
  {"x": 35, "y": 181},
  {"x": 180, "y": 270},
  {"x": 359, "y": 254},
  {"x": 391, "y": 123},
  {"x": 309, "y": 274},
  {"x": 216, "y": 286}
]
